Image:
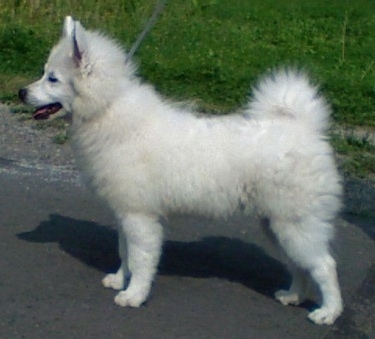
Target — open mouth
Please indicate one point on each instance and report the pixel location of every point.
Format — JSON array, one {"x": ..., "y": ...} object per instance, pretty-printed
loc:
[{"x": 44, "y": 112}]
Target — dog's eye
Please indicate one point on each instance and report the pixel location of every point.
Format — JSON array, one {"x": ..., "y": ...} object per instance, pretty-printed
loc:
[{"x": 52, "y": 79}]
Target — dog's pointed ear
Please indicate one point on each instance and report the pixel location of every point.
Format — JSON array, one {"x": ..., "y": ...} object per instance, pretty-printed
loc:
[
  {"x": 74, "y": 31},
  {"x": 68, "y": 27},
  {"x": 78, "y": 40}
]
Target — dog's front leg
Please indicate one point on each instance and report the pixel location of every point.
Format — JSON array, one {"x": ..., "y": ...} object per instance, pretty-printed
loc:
[
  {"x": 117, "y": 280},
  {"x": 144, "y": 237}
]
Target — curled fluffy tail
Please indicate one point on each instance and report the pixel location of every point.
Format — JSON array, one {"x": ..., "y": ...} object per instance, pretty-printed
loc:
[{"x": 290, "y": 94}]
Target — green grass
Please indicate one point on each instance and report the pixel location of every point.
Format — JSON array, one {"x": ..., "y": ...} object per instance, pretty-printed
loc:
[
  {"x": 212, "y": 51},
  {"x": 358, "y": 155}
]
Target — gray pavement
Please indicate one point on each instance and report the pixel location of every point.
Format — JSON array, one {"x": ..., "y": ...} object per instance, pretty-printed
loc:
[{"x": 216, "y": 279}]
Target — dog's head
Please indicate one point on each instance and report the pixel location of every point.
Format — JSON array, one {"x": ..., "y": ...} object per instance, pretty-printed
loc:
[
  {"x": 84, "y": 72},
  {"x": 55, "y": 89}
]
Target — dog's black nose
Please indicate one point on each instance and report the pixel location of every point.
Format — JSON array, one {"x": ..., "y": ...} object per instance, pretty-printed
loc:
[{"x": 22, "y": 93}]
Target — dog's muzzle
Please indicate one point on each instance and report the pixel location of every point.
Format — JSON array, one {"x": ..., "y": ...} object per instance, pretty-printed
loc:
[{"x": 22, "y": 94}]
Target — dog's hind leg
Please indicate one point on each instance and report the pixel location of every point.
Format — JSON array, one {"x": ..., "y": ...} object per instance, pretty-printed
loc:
[
  {"x": 144, "y": 236},
  {"x": 298, "y": 290},
  {"x": 299, "y": 287},
  {"x": 326, "y": 278},
  {"x": 306, "y": 244},
  {"x": 117, "y": 280}
]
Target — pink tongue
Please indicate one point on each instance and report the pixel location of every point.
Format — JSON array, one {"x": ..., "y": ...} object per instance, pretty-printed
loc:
[{"x": 45, "y": 111}]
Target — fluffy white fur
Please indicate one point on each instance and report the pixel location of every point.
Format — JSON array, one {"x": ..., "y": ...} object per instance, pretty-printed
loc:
[{"x": 149, "y": 158}]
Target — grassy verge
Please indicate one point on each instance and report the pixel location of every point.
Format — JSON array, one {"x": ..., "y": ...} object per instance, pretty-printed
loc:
[
  {"x": 357, "y": 154},
  {"x": 213, "y": 50}
]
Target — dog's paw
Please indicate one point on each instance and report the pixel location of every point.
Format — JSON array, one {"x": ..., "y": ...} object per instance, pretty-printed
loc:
[
  {"x": 115, "y": 281},
  {"x": 288, "y": 297},
  {"x": 124, "y": 298},
  {"x": 325, "y": 315}
]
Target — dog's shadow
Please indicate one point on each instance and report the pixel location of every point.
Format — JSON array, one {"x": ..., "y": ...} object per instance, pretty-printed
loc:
[{"x": 220, "y": 257}]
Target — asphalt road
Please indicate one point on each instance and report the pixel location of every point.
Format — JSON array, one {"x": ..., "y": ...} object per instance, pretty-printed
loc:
[{"x": 216, "y": 279}]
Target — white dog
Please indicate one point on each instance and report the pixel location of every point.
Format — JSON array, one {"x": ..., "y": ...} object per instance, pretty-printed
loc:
[{"x": 149, "y": 158}]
